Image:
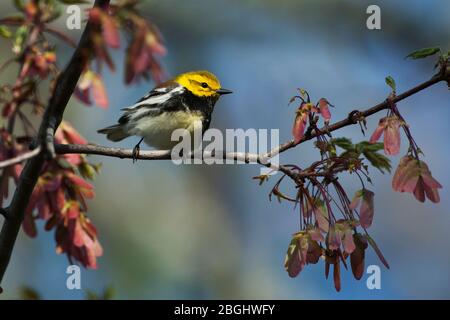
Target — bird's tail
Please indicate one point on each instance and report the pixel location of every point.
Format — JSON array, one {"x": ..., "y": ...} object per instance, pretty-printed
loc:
[{"x": 114, "y": 133}]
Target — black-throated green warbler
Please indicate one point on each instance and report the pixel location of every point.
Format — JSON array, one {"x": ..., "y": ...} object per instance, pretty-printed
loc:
[{"x": 175, "y": 104}]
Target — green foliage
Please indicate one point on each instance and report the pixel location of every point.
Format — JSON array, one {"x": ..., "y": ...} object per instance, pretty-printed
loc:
[
  {"x": 390, "y": 82},
  {"x": 19, "y": 38},
  {"x": 342, "y": 142},
  {"x": 366, "y": 149},
  {"x": 19, "y": 5},
  {"x": 88, "y": 170},
  {"x": 5, "y": 32},
  {"x": 423, "y": 53}
]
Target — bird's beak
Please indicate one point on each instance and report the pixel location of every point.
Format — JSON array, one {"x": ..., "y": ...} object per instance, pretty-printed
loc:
[{"x": 223, "y": 91}]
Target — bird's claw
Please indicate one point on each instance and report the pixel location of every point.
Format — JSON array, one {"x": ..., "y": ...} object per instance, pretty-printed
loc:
[{"x": 136, "y": 151}]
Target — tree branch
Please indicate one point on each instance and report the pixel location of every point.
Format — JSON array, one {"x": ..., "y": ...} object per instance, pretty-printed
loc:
[
  {"x": 20, "y": 158},
  {"x": 52, "y": 117},
  {"x": 355, "y": 115},
  {"x": 352, "y": 118}
]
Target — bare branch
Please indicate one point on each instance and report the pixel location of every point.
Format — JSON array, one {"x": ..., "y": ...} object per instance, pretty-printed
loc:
[
  {"x": 353, "y": 118},
  {"x": 61, "y": 35},
  {"x": 20, "y": 158},
  {"x": 166, "y": 155},
  {"x": 111, "y": 151},
  {"x": 355, "y": 115}
]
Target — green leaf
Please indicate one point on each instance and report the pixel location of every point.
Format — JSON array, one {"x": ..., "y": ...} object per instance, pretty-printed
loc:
[
  {"x": 390, "y": 82},
  {"x": 351, "y": 154},
  {"x": 371, "y": 147},
  {"x": 342, "y": 142},
  {"x": 423, "y": 53},
  {"x": 5, "y": 32},
  {"x": 19, "y": 38},
  {"x": 378, "y": 160},
  {"x": 359, "y": 148},
  {"x": 87, "y": 171},
  {"x": 19, "y": 5},
  {"x": 54, "y": 10}
]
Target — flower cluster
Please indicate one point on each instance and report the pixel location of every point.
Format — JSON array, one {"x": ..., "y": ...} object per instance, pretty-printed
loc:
[
  {"x": 60, "y": 200},
  {"x": 306, "y": 113},
  {"x": 412, "y": 174},
  {"x": 62, "y": 190},
  {"x": 389, "y": 127},
  {"x": 332, "y": 228},
  {"x": 326, "y": 237},
  {"x": 92, "y": 82},
  {"x": 144, "y": 47}
]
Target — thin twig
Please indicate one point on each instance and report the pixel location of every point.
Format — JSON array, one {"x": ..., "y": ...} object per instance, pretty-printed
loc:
[
  {"x": 246, "y": 157},
  {"x": 61, "y": 35},
  {"x": 354, "y": 116},
  {"x": 20, "y": 158}
]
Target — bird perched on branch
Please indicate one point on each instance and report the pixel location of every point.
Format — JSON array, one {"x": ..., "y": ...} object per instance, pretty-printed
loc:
[{"x": 175, "y": 104}]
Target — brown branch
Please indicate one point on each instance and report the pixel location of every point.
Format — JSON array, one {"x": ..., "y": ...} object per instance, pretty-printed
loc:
[
  {"x": 166, "y": 155},
  {"x": 60, "y": 35},
  {"x": 52, "y": 117},
  {"x": 354, "y": 115},
  {"x": 20, "y": 158},
  {"x": 248, "y": 157}
]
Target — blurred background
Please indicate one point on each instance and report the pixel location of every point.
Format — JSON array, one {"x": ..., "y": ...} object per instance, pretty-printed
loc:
[{"x": 198, "y": 232}]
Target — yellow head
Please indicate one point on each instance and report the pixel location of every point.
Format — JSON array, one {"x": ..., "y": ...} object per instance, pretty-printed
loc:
[{"x": 201, "y": 83}]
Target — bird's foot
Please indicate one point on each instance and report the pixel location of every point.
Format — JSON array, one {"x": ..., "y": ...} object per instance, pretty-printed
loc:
[{"x": 136, "y": 150}]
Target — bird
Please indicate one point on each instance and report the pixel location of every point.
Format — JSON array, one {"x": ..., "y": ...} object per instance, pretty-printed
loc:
[{"x": 178, "y": 103}]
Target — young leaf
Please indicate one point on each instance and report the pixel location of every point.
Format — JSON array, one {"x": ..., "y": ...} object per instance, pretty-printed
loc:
[
  {"x": 5, "y": 32},
  {"x": 423, "y": 53},
  {"x": 378, "y": 160},
  {"x": 344, "y": 143},
  {"x": 19, "y": 5},
  {"x": 19, "y": 38},
  {"x": 371, "y": 147},
  {"x": 390, "y": 82}
]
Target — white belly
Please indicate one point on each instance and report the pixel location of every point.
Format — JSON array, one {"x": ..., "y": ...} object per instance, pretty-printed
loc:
[{"x": 157, "y": 131}]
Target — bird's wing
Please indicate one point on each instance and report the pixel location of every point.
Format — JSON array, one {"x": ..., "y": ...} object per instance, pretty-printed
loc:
[
  {"x": 152, "y": 103},
  {"x": 157, "y": 96}
]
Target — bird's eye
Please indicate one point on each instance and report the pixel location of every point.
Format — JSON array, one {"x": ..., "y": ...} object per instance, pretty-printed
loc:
[{"x": 204, "y": 85}]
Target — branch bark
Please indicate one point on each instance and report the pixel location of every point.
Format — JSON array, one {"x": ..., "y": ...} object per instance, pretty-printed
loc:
[
  {"x": 354, "y": 115},
  {"x": 250, "y": 157},
  {"x": 52, "y": 117},
  {"x": 20, "y": 158}
]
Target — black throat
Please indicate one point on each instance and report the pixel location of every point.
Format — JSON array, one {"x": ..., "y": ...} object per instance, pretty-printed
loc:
[{"x": 205, "y": 105}]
